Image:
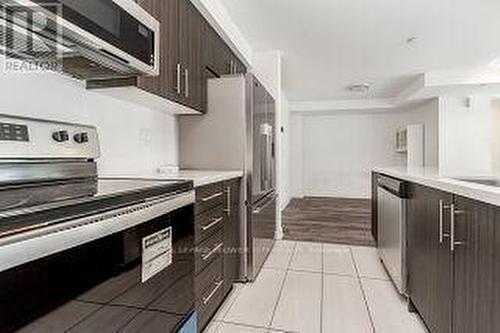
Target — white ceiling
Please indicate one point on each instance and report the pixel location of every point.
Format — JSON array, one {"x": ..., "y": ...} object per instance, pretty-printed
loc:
[{"x": 330, "y": 44}]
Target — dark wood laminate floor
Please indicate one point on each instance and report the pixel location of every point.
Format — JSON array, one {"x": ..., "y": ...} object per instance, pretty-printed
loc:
[{"x": 329, "y": 220}]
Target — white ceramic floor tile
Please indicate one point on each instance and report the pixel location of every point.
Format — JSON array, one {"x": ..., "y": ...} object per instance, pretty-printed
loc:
[
  {"x": 337, "y": 259},
  {"x": 228, "y": 302},
  {"x": 256, "y": 301},
  {"x": 299, "y": 307},
  {"x": 212, "y": 327},
  {"x": 234, "y": 328},
  {"x": 368, "y": 262},
  {"x": 307, "y": 257},
  {"x": 344, "y": 309},
  {"x": 280, "y": 256},
  {"x": 389, "y": 310}
]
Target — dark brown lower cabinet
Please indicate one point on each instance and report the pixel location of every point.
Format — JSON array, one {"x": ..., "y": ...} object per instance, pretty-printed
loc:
[
  {"x": 476, "y": 267},
  {"x": 231, "y": 234},
  {"x": 455, "y": 288},
  {"x": 217, "y": 210},
  {"x": 430, "y": 275}
]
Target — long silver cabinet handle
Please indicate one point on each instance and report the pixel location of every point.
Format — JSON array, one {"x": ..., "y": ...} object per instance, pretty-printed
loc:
[
  {"x": 186, "y": 78},
  {"x": 216, "y": 195},
  {"x": 209, "y": 254},
  {"x": 211, "y": 225},
  {"x": 228, "y": 202},
  {"x": 453, "y": 213},
  {"x": 178, "y": 88},
  {"x": 212, "y": 293},
  {"x": 442, "y": 234}
]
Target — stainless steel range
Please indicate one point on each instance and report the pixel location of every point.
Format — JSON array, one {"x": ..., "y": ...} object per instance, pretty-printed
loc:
[{"x": 83, "y": 253}]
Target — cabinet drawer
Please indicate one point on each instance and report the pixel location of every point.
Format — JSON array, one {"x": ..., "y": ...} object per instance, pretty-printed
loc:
[
  {"x": 209, "y": 196},
  {"x": 209, "y": 303},
  {"x": 208, "y": 223},
  {"x": 208, "y": 251},
  {"x": 206, "y": 279}
]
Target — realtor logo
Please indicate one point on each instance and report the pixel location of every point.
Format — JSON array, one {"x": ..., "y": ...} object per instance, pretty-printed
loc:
[{"x": 30, "y": 38}]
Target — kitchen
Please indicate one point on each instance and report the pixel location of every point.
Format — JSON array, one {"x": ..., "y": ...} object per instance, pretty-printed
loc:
[{"x": 264, "y": 180}]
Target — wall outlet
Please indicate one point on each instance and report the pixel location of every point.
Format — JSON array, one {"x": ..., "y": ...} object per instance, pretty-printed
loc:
[{"x": 145, "y": 137}]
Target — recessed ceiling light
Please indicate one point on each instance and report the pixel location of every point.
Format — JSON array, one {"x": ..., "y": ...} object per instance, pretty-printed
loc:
[
  {"x": 363, "y": 87},
  {"x": 411, "y": 40}
]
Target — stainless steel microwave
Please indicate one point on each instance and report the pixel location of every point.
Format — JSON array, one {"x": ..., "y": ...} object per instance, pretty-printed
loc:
[{"x": 115, "y": 34}]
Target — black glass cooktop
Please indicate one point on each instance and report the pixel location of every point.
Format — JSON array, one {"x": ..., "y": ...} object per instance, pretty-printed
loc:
[{"x": 30, "y": 205}]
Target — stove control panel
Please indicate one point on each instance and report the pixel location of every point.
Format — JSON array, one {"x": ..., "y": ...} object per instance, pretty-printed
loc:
[
  {"x": 14, "y": 132},
  {"x": 81, "y": 137},
  {"x": 41, "y": 139},
  {"x": 60, "y": 136}
]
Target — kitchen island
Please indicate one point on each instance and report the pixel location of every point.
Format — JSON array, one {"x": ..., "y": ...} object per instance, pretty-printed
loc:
[{"x": 453, "y": 245}]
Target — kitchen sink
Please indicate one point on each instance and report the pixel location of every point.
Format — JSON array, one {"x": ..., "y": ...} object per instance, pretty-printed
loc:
[{"x": 482, "y": 181}]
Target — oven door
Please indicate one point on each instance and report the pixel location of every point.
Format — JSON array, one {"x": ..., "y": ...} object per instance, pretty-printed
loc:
[{"x": 138, "y": 280}]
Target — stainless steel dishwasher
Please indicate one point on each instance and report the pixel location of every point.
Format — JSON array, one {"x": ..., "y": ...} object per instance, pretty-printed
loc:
[{"x": 392, "y": 225}]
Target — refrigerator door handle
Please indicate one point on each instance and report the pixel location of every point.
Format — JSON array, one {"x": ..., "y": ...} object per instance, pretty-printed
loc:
[
  {"x": 263, "y": 163},
  {"x": 269, "y": 158}
]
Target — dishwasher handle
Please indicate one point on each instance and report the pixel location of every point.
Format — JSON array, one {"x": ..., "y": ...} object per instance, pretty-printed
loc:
[{"x": 394, "y": 186}]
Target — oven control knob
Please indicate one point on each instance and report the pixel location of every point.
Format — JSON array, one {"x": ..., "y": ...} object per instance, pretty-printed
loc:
[
  {"x": 81, "y": 137},
  {"x": 60, "y": 136}
]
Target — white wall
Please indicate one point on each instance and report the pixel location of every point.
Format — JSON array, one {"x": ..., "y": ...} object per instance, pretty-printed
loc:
[
  {"x": 134, "y": 140},
  {"x": 296, "y": 155},
  {"x": 333, "y": 153},
  {"x": 427, "y": 114},
  {"x": 496, "y": 135},
  {"x": 468, "y": 127},
  {"x": 285, "y": 176}
]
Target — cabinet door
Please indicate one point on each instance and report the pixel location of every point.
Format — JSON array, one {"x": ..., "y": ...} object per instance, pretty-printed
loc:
[
  {"x": 429, "y": 257},
  {"x": 209, "y": 48},
  {"x": 191, "y": 25},
  {"x": 240, "y": 67},
  {"x": 166, "y": 83},
  {"x": 476, "y": 267},
  {"x": 231, "y": 233}
]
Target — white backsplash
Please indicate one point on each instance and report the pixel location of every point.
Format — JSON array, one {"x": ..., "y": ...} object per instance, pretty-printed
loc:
[{"x": 135, "y": 140}]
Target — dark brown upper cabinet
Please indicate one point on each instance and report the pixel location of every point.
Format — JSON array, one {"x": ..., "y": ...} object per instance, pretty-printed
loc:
[
  {"x": 180, "y": 72},
  {"x": 167, "y": 84},
  {"x": 191, "y": 52},
  {"x": 218, "y": 57}
]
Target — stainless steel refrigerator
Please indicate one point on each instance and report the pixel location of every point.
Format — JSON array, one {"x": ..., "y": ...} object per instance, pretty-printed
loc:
[{"x": 238, "y": 133}]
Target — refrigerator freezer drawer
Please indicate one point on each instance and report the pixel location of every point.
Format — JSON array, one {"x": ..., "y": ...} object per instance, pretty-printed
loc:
[{"x": 262, "y": 226}]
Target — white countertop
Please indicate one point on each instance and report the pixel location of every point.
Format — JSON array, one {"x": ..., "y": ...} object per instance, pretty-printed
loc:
[
  {"x": 430, "y": 177},
  {"x": 204, "y": 177},
  {"x": 199, "y": 177}
]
